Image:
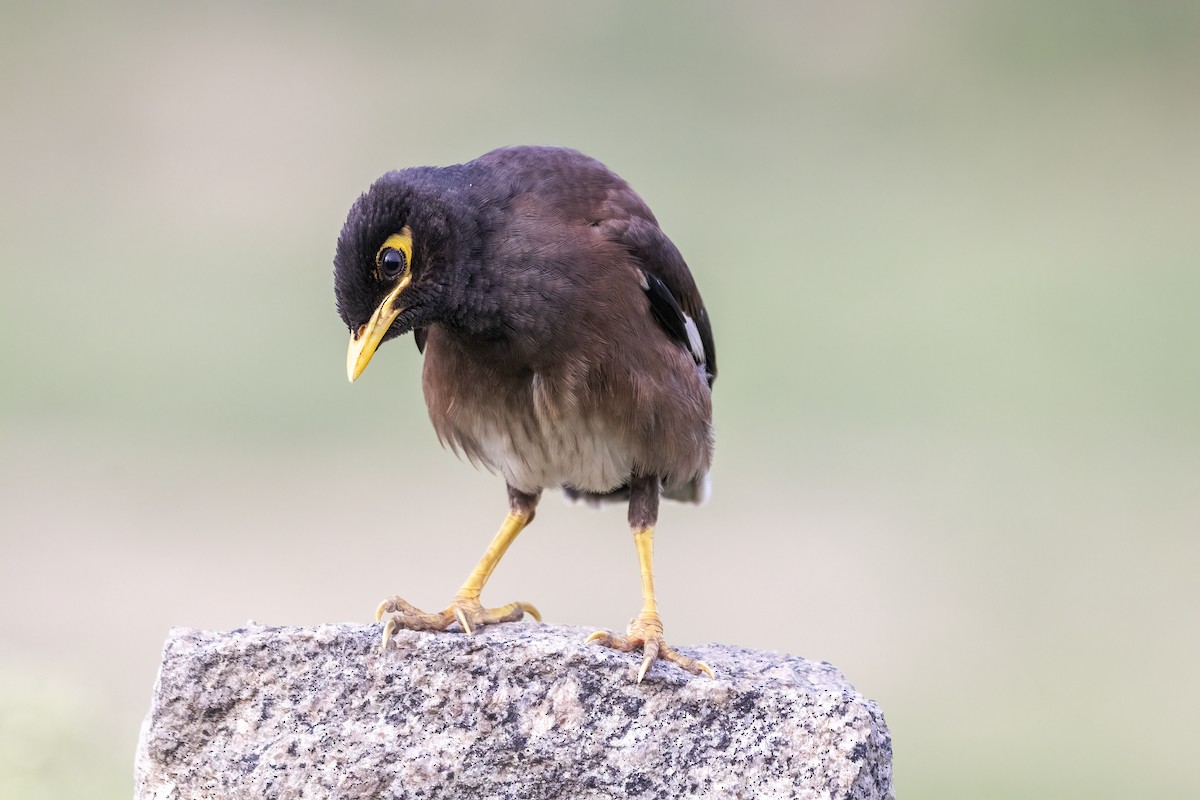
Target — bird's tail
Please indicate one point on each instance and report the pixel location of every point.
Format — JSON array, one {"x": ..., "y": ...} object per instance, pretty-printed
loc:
[{"x": 693, "y": 491}]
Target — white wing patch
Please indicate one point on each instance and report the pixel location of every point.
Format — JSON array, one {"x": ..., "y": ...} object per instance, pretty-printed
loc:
[{"x": 694, "y": 341}]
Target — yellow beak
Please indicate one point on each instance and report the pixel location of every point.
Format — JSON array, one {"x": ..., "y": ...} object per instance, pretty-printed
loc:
[{"x": 364, "y": 341}]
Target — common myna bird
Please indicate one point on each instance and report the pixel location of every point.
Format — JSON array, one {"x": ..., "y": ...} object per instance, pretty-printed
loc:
[{"x": 565, "y": 344}]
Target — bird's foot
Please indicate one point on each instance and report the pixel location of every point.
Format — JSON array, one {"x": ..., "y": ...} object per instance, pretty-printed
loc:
[
  {"x": 646, "y": 632},
  {"x": 466, "y": 611}
]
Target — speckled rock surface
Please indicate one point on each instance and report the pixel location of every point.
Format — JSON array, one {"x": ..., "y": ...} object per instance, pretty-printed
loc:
[{"x": 512, "y": 711}]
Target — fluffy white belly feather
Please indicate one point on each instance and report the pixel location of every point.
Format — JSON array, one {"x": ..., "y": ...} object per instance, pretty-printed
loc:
[{"x": 576, "y": 453}]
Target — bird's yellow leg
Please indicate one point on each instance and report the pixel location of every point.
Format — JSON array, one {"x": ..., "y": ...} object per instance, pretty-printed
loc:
[
  {"x": 465, "y": 609},
  {"x": 646, "y": 630}
]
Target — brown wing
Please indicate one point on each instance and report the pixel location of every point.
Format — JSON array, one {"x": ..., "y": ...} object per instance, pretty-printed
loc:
[
  {"x": 583, "y": 190},
  {"x": 674, "y": 298}
]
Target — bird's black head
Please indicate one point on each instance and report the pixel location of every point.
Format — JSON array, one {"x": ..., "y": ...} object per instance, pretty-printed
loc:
[{"x": 386, "y": 272}]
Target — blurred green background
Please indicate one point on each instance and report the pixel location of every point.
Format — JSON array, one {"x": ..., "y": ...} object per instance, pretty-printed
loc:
[{"x": 952, "y": 255}]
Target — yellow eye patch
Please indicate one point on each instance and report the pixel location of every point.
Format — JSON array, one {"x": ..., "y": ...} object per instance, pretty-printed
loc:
[{"x": 401, "y": 241}]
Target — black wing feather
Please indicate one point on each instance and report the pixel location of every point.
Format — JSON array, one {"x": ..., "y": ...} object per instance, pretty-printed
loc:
[
  {"x": 672, "y": 290},
  {"x": 666, "y": 309}
]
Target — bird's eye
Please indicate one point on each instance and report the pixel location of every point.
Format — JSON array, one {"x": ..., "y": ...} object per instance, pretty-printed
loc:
[{"x": 391, "y": 263}]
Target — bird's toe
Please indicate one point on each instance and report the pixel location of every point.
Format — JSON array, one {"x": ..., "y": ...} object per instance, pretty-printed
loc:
[
  {"x": 646, "y": 632},
  {"x": 467, "y": 612}
]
